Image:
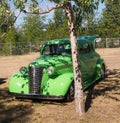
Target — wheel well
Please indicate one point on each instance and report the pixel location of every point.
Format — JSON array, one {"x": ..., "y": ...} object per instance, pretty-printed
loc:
[
  {"x": 103, "y": 66},
  {"x": 67, "y": 96},
  {"x": 70, "y": 85}
]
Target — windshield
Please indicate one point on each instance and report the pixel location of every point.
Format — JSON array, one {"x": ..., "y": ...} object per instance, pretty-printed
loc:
[{"x": 56, "y": 49}]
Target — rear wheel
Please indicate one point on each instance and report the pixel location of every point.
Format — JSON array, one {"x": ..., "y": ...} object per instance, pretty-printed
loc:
[{"x": 70, "y": 94}]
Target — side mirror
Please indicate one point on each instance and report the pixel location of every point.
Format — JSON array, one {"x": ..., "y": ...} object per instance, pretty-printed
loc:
[{"x": 98, "y": 40}]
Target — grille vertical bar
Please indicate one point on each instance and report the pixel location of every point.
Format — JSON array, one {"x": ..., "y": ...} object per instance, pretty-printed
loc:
[{"x": 35, "y": 78}]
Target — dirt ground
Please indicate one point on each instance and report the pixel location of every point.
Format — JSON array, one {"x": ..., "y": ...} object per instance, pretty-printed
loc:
[{"x": 102, "y": 99}]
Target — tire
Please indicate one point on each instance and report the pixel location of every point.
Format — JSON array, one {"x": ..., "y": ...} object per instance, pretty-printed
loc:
[
  {"x": 70, "y": 94},
  {"x": 102, "y": 72}
]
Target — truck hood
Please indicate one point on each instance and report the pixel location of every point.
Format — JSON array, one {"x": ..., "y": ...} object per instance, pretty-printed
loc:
[{"x": 48, "y": 60}]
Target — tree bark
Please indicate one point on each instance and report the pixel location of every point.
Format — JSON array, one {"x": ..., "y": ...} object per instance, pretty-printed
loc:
[{"x": 79, "y": 97}]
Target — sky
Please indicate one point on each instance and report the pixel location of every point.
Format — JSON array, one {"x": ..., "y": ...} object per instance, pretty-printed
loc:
[{"x": 20, "y": 20}]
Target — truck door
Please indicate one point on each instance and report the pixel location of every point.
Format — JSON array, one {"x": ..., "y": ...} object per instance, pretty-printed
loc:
[{"x": 86, "y": 63}]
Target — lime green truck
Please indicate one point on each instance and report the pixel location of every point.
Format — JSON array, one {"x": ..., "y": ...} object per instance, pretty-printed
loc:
[{"x": 51, "y": 75}]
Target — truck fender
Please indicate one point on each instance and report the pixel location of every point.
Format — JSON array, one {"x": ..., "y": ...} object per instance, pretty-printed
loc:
[
  {"x": 61, "y": 84},
  {"x": 17, "y": 83}
]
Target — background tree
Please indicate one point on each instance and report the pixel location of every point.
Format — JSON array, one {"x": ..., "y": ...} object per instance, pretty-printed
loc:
[
  {"x": 88, "y": 26},
  {"x": 57, "y": 26},
  {"x": 111, "y": 19},
  {"x": 33, "y": 28},
  {"x": 6, "y": 17},
  {"x": 6, "y": 20},
  {"x": 11, "y": 38}
]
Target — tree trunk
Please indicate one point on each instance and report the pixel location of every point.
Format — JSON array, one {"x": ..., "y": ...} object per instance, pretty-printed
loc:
[{"x": 79, "y": 98}]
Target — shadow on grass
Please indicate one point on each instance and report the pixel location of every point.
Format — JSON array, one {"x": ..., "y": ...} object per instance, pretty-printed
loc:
[
  {"x": 12, "y": 111},
  {"x": 53, "y": 102},
  {"x": 109, "y": 87}
]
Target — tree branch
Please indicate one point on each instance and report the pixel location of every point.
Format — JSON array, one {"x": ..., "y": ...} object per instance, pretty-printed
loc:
[{"x": 44, "y": 12}]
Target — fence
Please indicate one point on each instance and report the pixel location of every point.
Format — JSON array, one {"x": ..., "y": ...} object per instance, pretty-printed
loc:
[
  {"x": 108, "y": 43},
  {"x": 19, "y": 48}
]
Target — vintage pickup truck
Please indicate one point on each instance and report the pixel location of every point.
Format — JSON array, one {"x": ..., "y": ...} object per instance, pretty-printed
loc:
[{"x": 51, "y": 75}]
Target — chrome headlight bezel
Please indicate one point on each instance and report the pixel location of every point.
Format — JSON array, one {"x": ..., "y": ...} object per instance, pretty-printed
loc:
[
  {"x": 23, "y": 70},
  {"x": 50, "y": 71}
]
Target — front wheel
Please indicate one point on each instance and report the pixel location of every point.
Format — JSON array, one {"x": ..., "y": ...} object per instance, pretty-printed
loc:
[{"x": 70, "y": 94}]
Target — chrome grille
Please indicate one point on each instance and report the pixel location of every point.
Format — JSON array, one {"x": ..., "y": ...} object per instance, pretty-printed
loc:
[{"x": 35, "y": 78}]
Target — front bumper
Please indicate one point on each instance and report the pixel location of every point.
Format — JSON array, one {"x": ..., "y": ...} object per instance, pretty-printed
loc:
[{"x": 37, "y": 96}]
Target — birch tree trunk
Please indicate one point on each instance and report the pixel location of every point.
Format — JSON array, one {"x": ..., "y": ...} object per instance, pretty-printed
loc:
[{"x": 79, "y": 97}]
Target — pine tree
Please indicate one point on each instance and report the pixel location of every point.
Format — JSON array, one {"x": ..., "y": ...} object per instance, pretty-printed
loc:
[
  {"x": 111, "y": 18},
  {"x": 57, "y": 27},
  {"x": 33, "y": 28}
]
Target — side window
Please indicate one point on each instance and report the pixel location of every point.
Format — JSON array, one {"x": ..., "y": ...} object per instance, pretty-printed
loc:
[
  {"x": 60, "y": 48},
  {"x": 46, "y": 50},
  {"x": 64, "y": 48},
  {"x": 50, "y": 49},
  {"x": 68, "y": 48},
  {"x": 84, "y": 48}
]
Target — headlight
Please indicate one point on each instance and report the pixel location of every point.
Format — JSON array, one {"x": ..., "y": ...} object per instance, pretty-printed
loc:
[
  {"x": 23, "y": 70},
  {"x": 50, "y": 70}
]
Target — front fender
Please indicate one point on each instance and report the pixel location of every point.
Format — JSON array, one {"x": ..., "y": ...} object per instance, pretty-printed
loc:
[
  {"x": 18, "y": 83},
  {"x": 59, "y": 85}
]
